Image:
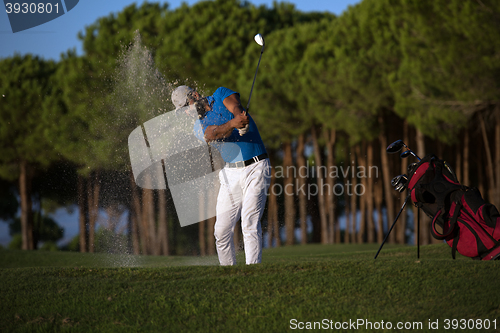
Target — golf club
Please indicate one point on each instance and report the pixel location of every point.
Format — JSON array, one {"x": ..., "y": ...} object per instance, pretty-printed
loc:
[
  {"x": 259, "y": 39},
  {"x": 411, "y": 167},
  {"x": 400, "y": 187},
  {"x": 405, "y": 154},
  {"x": 399, "y": 183},
  {"x": 398, "y": 179},
  {"x": 396, "y": 147}
]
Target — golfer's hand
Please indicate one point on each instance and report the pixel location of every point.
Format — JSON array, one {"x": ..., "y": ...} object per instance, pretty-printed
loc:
[{"x": 240, "y": 120}]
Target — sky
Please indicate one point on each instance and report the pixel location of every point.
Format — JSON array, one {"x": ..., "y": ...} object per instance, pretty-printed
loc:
[
  {"x": 51, "y": 39},
  {"x": 56, "y": 37}
]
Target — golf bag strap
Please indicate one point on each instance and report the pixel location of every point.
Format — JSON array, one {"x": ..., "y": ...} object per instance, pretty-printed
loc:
[
  {"x": 439, "y": 218},
  {"x": 414, "y": 196},
  {"x": 434, "y": 232}
]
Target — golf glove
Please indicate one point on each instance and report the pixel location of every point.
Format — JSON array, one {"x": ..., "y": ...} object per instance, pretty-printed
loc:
[{"x": 244, "y": 130}]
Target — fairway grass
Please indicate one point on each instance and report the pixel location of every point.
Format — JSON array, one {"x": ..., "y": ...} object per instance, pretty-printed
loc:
[{"x": 297, "y": 286}]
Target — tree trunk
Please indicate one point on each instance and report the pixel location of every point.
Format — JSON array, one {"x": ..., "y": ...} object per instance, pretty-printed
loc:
[
  {"x": 496, "y": 200},
  {"x": 420, "y": 139},
  {"x": 320, "y": 182},
  {"x": 202, "y": 238},
  {"x": 353, "y": 198},
  {"x": 386, "y": 179},
  {"x": 272, "y": 213},
  {"x": 25, "y": 178},
  {"x": 114, "y": 212},
  {"x": 347, "y": 231},
  {"x": 378, "y": 195},
  {"x": 302, "y": 184},
  {"x": 330, "y": 137},
  {"x": 458, "y": 161},
  {"x": 148, "y": 218},
  {"x": 490, "y": 168},
  {"x": 135, "y": 216},
  {"x": 82, "y": 216},
  {"x": 93, "y": 203},
  {"x": 369, "y": 194},
  {"x": 145, "y": 210},
  {"x": 289, "y": 193},
  {"x": 401, "y": 224},
  {"x": 163, "y": 223},
  {"x": 211, "y": 237},
  {"x": 201, "y": 226},
  {"x": 271, "y": 202},
  {"x": 466, "y": 180},
  {"x": 481, "y": 176},
  {"x": 363, "y": 198}
]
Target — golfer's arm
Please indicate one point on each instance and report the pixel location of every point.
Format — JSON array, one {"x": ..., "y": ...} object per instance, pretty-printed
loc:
[
  {"x": 215, "y": 132},
  {"x": 233, "y": 104}
]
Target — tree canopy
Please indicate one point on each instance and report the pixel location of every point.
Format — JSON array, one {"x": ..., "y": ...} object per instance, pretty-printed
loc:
[{"x": 427, "y": 66}]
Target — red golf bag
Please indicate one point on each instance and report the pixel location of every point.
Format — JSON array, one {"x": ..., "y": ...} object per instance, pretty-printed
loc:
[{"x": 459, "y": 214}]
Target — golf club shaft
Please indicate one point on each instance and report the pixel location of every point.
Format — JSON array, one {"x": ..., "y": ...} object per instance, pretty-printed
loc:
[
  {"x": 411, "y": 152},
  {"x": 395, "y": 220},
  {"x": 418, "y": 158},
  {"x": 254, "y": 77}
]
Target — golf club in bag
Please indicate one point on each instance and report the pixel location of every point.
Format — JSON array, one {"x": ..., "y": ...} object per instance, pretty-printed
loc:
[
  {"x": 459, "y": 214},
  {"x": 400, "y": 183}
]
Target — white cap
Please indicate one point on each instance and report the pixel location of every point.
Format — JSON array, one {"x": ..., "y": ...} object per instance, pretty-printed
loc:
[{"x": 179, "y": 96}]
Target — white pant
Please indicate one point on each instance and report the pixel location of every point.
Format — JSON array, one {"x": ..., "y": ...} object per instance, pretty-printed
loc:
[{"x": 243, "y": 193}]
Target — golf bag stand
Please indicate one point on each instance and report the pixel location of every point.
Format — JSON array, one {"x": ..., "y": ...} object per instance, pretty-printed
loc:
[{"x": 394, "y": 223}]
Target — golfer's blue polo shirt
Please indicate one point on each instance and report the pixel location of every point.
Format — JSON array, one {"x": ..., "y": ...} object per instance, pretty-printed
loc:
[{"x": 234, "y": 148}]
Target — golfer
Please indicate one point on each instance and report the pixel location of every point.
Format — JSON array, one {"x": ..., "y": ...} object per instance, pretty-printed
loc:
[{"x": 245, "y": 178}]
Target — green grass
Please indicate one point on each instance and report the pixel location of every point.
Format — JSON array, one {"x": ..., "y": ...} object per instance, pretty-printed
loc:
[{"x": 62, "y": 291}]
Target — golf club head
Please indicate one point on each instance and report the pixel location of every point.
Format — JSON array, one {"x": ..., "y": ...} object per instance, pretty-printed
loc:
[
  {"x": 450, "y": 170},
  {"x": 405, "y": 154},
  {"x": 396, "y": 180},
  {"x": 399, "y": 182},
  {"x": 395, "y": 147},
  {"x": 411, "y": 168},
  {"x": 400, "y": 187},
  {"x": 399, "y": 179},
  {"x": 259, "y": 39}
]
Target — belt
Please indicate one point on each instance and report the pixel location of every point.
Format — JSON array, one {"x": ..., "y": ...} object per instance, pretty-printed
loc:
[{"x": 242, "y": 164}]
